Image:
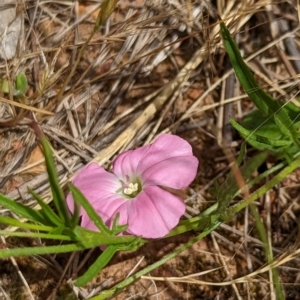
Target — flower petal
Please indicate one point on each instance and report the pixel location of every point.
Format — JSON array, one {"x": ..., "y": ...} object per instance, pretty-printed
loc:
[
  {"x": 169, "y": 161},
  {"x": 176, "y": 172},
  {"x": 96, "y": 184},
  {"x": 154, "y": 213},
  {"x": 106, "y": 209},
  {"x": 164, "y": 147},
  {"x": 127, "y": 162}
]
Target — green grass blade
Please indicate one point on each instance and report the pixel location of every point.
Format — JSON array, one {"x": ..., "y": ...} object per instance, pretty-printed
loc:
[
  {"x": 4, "y": 253},
  {"x": 48, "y": 236},
  {"x": 88, "y": 239},
  {"x": 268, "y": 251},
  {"x": 261, "y": 142},
  {"x": 75, "y": 216},
  {"x": 85, "y": 235},
  {"x": 97, "y": 266},
  {"x": 229, "y": 188},
  {"x": 243, "y": 72},
  {"x": 79, "y": 197},
  {"x": 16, "y": 223},
  {"x": 128, "y": 281},
  {"x": 234, "y": 209},
  {"x": 48, "y": 213},
  {"x": 57, "y": 192},
  {"x": 241, "y": 155},
  {"x": 263, "y": 101},
  {"x": 21, "y": 83},
  {"x": 106, "y": 9},
  {"x": 105, "y": 258},
  {"x": 22, "y": 210}
]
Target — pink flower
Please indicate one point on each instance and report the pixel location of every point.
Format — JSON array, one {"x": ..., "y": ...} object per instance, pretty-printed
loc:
[{"x": 133, "y": 189}]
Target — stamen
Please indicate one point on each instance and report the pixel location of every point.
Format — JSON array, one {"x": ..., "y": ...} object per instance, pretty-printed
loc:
[{"x": 132, "y": 188}]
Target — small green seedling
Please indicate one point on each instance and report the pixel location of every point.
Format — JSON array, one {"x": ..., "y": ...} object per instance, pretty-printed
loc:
[{"x": 19, "y": 87}]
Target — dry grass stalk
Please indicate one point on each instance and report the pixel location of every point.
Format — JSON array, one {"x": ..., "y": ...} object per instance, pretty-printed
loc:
[{"x": 154, "y": 67}]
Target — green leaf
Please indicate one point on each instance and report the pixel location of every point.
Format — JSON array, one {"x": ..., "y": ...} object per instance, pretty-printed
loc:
[
  {"x": 229, "y": 188},
  {"x": 4, "y": 84},
  {"x": 104, "y": 259},
  {"x": 264, "y": 134},
  {"x": 16, "y": 223},
  {"x": 256, "y": 122},
  {"x": 198, "y": 223},
  {"x": 234, "y": 209},
  {"x": 106, "y": 9},
  {"x": 259, "y": 142},
  {"x": 21, "y": 84},
  {"x": 79, "y": 197},
  {"x": 75, "y": 216},
  {"x": 48, "y": 213},
  {"x": 214, "y": 190},
  {"x": 263, "y": 101},
  {"x": 36, "y": 235},
  {"x": 116, "y": 228},
  {"x": 88, "y": 236},
  {"x": 4, "y": 253},
  {"x": 241, "y": 155},
  {"x": 18, "y": 88},
  {"x": 57, "y": 192},
  {"x": 88, "y": 239},
  {"x": 97, "y": 266},
  {"x": 243, "y": 73},
  {"x": 128, "y": 281},
  {"x": 22, "y": 210}
]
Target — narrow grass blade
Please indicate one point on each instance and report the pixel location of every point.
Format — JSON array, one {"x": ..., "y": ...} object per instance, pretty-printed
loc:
[
  {"x": 4, "y": 253},
  {"x": 105, "y": 258},
  {"x": 263, "y": 101},
  {"x": 241, "y": 155},
  {"x": 116, "y": 228},
  {"x": 268, "y": 251},
  {"x": 48, "y": 213},
  {"x": 48, "y": 236},
  {"x": 16, "y": 223},
  {"x": 230, "y": 188},
  {"x": 97, "y": 266},
  {"x": 262, "y": 142},
  {"x": 234, "y": 209},
  {"x": 89, "y": 239},
  {"x": 21, "y": 83},
  {"x": 79, "y": 197},
  {"x": 75, "y": 217},
  {"x": 106, "y": 9},
  {"x": 57, "y": 192},
  {"x": 128, "y": 281},
  {"x": 84, "y": 235},
  {"x": 22, "y": 210}
]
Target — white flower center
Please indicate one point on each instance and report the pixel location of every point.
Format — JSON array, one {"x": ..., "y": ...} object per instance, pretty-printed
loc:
[{"x": 131, "y": 188}]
